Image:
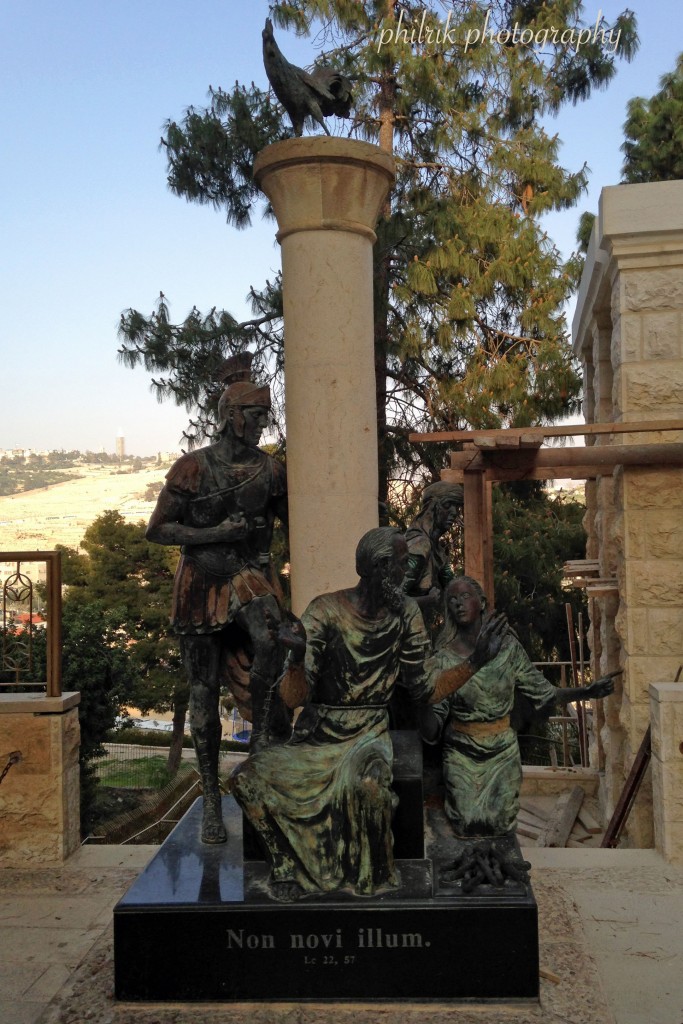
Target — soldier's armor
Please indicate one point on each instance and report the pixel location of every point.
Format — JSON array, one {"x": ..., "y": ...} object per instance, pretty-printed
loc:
[{"x": 214, "y": 580}]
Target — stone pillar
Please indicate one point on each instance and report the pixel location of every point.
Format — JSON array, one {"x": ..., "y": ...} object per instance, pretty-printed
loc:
[
  {"x": 666, "y": 703},
  {"x": 327, "y": 194},
  {"x": 628, "y": 330},
  {"x": 39, "y": 796}
]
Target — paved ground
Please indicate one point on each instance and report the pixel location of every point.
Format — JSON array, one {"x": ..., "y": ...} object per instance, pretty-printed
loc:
[{"x": 611, "y": 948}]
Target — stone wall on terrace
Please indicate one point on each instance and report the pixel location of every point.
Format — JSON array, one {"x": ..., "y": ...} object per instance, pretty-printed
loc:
[{"x": 628, "y": 333}]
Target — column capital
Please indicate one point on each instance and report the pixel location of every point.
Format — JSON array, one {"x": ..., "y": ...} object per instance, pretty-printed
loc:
[{"x": 325, "y": 184}]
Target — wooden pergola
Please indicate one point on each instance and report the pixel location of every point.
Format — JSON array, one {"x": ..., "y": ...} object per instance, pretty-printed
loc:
[{"x": 516, "y": 453}]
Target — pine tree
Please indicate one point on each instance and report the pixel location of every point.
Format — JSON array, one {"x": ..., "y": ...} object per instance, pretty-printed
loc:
[
  {"x": 653, "y": 146},
  {"x": 469, "y": 290},
  {"x": 131, "y": 580}
]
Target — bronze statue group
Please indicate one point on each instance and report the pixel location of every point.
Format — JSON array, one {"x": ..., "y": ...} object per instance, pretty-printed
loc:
[{"x": 318, "y": 792}]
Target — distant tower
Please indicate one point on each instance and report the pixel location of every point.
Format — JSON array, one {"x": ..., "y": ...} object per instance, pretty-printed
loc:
[{"x": 120, "y": 447}]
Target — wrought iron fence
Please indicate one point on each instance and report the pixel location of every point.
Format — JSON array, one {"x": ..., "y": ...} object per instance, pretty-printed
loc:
[{"x": 19, "y": 623}]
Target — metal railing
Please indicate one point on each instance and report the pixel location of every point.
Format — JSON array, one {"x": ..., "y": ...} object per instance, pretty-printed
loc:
[
  {"x": 16, "y": 649},
  {"x": 565, "y": 749}
]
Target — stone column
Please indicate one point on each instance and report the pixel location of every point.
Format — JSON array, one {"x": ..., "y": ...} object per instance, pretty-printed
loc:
[
  {"x": 666, "y": 704},
  {"x": 40, "y": 795},
  {"x": 327, "y": 194}
]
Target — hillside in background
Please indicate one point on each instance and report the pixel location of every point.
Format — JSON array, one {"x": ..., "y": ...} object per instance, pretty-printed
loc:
[{"x": 59, "y": 513}]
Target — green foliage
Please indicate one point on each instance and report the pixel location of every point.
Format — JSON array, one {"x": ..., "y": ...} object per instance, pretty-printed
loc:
[
  {"x": 654, "y": 132},
  {"x": 137, "y": 773},
  {"x": 17, "y": 475},
  {"x": 133, "y": 579},
  {"x": 211, "y": 153},
  {"x": 469, "y": 291},
  {"x": 130, "y": 581},
  {"x": 584, "y": 230},
  {"x": 534, "y": 533},
  {"x": 95, "y": 663},
  {"x": 188, "y": 358}
]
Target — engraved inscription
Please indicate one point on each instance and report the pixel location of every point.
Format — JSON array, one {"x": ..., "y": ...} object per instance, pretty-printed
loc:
[
  {"x": 366, "y": 938},
  {"x": 240, "y": 940}
]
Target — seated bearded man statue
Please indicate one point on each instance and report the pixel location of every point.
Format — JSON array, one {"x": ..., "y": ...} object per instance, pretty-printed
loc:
[{"x": 322, "y": 803}]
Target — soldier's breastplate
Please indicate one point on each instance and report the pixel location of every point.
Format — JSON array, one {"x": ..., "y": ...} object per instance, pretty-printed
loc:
[{"x": 243, "y": 491}]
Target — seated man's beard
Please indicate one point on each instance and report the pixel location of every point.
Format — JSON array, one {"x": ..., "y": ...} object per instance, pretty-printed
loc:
[{"x": 392, "y": 595}]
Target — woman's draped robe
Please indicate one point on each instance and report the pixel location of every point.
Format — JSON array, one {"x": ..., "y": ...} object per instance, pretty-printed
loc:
[{"x": 482, "y": 767}]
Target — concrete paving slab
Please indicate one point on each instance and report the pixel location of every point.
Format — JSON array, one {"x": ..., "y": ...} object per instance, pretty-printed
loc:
[
  {"x": 48, "y": 984},
  {"x": 631, "y": 906},
  {"x": 48, "y": 912},
  {"x": 17, "y": 979},
  {"x": 21, "y": 1013},
  {"x": 46, "y": 946}
]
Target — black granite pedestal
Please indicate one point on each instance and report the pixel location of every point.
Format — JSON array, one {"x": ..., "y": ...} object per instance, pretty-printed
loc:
[{"x": 198, "y": 925}]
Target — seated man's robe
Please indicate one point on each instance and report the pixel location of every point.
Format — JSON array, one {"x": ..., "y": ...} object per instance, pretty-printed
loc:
[{"x": 323, "y": 802}]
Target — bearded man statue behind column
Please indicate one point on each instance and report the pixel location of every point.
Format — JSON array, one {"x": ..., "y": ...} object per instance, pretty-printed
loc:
[{"x": 219, "y": 504}]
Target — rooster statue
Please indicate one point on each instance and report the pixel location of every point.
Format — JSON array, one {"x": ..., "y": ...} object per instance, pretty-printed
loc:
[{"x": 316, "y": 95}]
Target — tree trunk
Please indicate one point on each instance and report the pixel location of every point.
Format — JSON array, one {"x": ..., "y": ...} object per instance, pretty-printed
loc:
[{"x": 180, "y": 705}]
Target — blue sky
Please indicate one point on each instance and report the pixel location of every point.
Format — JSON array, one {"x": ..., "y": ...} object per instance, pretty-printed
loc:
[{"x": 89, "y": 228}]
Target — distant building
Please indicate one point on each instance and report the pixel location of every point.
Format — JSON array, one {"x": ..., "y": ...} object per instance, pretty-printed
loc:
[{"x": 120, "y": 448}]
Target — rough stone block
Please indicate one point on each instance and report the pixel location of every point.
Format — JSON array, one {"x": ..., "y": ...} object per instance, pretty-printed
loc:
[
  {"x": 649, "y": 387},
  {"x": 653, "y": 487},
  {"x": 661, "y": 584},
  {"x": 614, "y": 408},
  {"x": 641, "y": 672},
  {"x": 39, "y": 798},
  {"x": 636, "y": 526},
  {"x": 665, "y": 741},
  {"x": 665, "y": 534},
  {"x": 640, "y": 825},
  {"x": 619, "y": 535},
  {"x": 671, "y": 840},
  {"x": 665, "y": 628},
  {"x": 627, "y": 340},
  {"x": 669, "y": 787},
  {"x": 661, "y": 336},
  {"x": 656, "y": 288},
  {"x": 617, "y": 300},
  {"x": 631, "y": 626},
  {"x": 22, "y": 845}
]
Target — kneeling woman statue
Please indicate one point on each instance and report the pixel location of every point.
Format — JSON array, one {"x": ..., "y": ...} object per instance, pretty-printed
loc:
[{"x": 482, "y": 766}]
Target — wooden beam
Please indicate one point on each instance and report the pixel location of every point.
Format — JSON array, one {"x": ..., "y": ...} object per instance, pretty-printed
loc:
[
  {"x": 487, "y": 540},
  {"x": 556, "y": 832},
  {"x": 630, "y": 791},
  {"x": 473, "y": 518},
  {"x": 525, "y": 462},
  {"x": 567, "y": 430},
  {"x": 455, "y": 476}
]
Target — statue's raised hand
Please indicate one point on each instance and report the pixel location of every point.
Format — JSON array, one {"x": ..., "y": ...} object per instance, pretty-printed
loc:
[
  {"x": 601, "y": 687},
  {"x": 292, "y": 636},
  {"x": 489, "y": 641}
]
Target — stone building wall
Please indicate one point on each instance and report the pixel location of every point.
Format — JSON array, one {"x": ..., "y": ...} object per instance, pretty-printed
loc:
[
  {"x": 628, "y": 332},
  {"x": 40, "y": 795}
]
